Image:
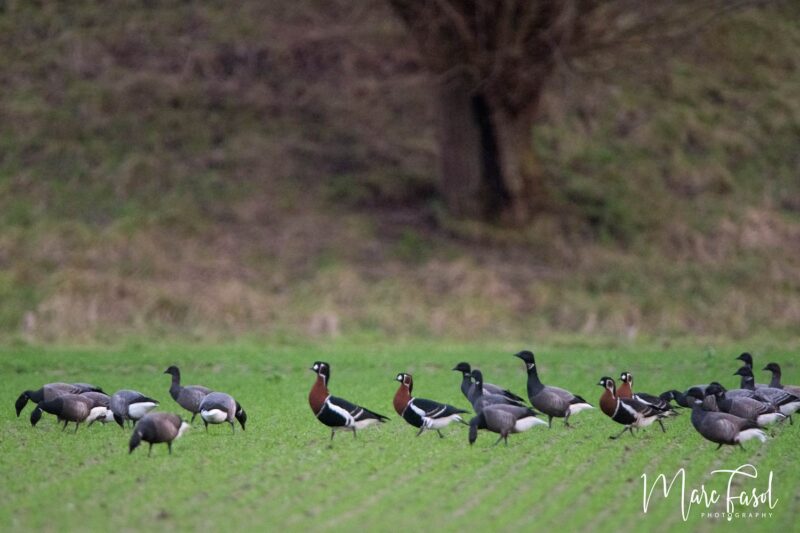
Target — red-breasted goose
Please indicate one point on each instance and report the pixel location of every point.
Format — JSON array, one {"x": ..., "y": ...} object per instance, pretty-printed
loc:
[
  {"x": 130, "y": 405},
  {"x": 157, "y": 427},
  {"x": 723, "y": 428},
  {"x": 50, "y": 391},
  {"x": 69, "y": 408},
  {"x": 479, "y": 398},
  {"x": 629, "y": 412},
  {"x": 421, "y": 413},
  {"x": 188, "y": 397},
  {"x": 218, "y": 407},
  {"x": 552, "y": 401},
  {"x": 787, "y": 402},
  {"x": 503, "y": 419},
  {"x": 337, "y": 413},
  {"x": 775, "y": 382},
  {"x": 488, "y": 388},
  {"x": 625, "y": 390},
  {"x": 762, "y": 413}
]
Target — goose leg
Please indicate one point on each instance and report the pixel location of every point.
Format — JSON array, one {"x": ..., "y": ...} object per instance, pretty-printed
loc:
[
  {"x": 631, "y": 430},
  {"x": 354, "y": 432},
  {"x": 742, "y": 447},
  {"x": 420, "y": 431},
  {"x": 333, "y": 434},
  {"x": 661, "y": 424},
  {"x": 76, "y": 427},
  {"x": 65, "y": 425},
  {"x": 718, "y": 447},
  {"x": 440, "y": 434},
  {"x": 549, "y": 421},
  {"x": 206, "y": 423},
  {"x": 150, "y": 450},
  {"x": 618, "y": 435},
  {"x": 566, "y": 420},
  {"x": 169, "y": 447},
  {"x": 233, "y": 429},
  {"x": 791, "y": 422},
  {"x": 498, "y": 441},
  {"x": 193, "y": 415}
]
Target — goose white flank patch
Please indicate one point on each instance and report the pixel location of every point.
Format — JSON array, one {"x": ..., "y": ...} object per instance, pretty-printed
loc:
[{"x": 421, "y": 413}]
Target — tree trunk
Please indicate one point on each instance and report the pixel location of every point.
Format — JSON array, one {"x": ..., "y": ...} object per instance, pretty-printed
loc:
[{"x": 488, "y": 170}]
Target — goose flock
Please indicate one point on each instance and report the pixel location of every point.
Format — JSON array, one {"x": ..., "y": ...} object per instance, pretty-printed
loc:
[
  {"x": 722, "y": 416},
  {"x": 85, "y": 403}
]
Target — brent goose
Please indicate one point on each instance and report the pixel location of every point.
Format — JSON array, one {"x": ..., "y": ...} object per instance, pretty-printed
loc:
[
  {"x": 130, "y": 405},
  {"x": 157, "y": 427},
  {"x": 503, "y": 419},
  {"x": 188, "y": 397},
  {"x": 69, "y": 408},
  {"x": 488, "y": 388},
  {"x": 761, "y": 413},
  {"x": 218, "y": 407},
  {"x": 50, "y": 391},
  {"x": 552, "y": 401},
  {"x": 479, "y": 398},
  {"x": 723, "y": 428}
]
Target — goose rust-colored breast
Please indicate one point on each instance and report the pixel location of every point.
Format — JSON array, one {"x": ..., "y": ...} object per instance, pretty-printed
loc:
[
  {"x": 608, "y": 403},
  {"x": 401, "y": 399},
  {"x": 624, "y": 390},
  {"x": 316, "y": 398}
]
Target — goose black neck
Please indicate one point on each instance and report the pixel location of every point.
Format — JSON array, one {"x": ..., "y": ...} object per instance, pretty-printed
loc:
[
  {"x": 466, "y": 383},
  {"x": 748, "y": 382},
  {"x": 175, "y": 387},
  {"x": 775, "y": 383},
  {"x": 535, "y": 386}
]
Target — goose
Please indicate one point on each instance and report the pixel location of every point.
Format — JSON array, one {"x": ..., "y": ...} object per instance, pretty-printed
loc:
[
  {"x": 488, "y": 388},
  {"x": 421, "y": 413},
  {"x": 747, "y": 359},
  {"x": 785, "y": 401},
  {"x": 503, "y": 419},
  {"x": 157, "y": 427},
  {"x": 337, "y": 413},
  {"x": 723, "y": 428},
  {"x": 678, "y": 397},
  {"x": 480, "y": 399},
  {"x": 50, "y": 391},
  {"x": 552, "y": 401},
  {"x": 131, "y": 405},
  {"x": 69, "y": 408},
  {"x": 629, "y": 412},
  {"x": 759, "y": 412},
  {"x": 188, "y": 397},
  {"x": 625, "y": 390},
  {"x": 218, "y": 407},
  {"x": 100, "y": 399},
  {"x": 775, "y": 383}
]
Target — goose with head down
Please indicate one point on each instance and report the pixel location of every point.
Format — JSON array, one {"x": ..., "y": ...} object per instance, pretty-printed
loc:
[{"x": 154, "y": 428}]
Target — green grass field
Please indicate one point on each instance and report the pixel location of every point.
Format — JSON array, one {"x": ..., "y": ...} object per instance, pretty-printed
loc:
[{"x": 282, "y": 474}]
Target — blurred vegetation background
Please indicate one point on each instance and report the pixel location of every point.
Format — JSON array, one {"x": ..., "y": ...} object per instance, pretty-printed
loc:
[{"x": 210, "y": 170}]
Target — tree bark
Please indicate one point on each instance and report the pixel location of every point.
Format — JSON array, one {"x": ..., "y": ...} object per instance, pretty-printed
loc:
[{"x": 488, "y": 169}]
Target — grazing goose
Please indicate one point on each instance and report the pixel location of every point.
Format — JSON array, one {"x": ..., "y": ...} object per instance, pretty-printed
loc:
[
  {"x": 503, "y": 419},
  {"x": 629, "y": 412},
  {"x": 157, "y": 427},
  {"x": 50, "y": 391},
  {"x": 421, "y": 413},
  {"x": 552, "y": 401},
  {"x": 759, "y": 412},
  {"x": 678, "y": 397},
  {"x": 625, "y": 390},
  {"x": 69, "y": 408},
  {"x": 337, "y": 413},
  {"x": 218, "y": 407},
  {"x": 130, "y": 405},
  {"x": 723, "y": 428},
  {"x": 775, "y": 383},
  {"x": 488, "y": 388},
  {"x": 188, "y": 397},
  {"x": 479, "y": 398},
  {"x": 785, "y": 401}
]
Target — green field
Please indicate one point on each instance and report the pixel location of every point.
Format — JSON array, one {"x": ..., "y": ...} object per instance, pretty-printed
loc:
[{"x": 282, "y": 474}]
